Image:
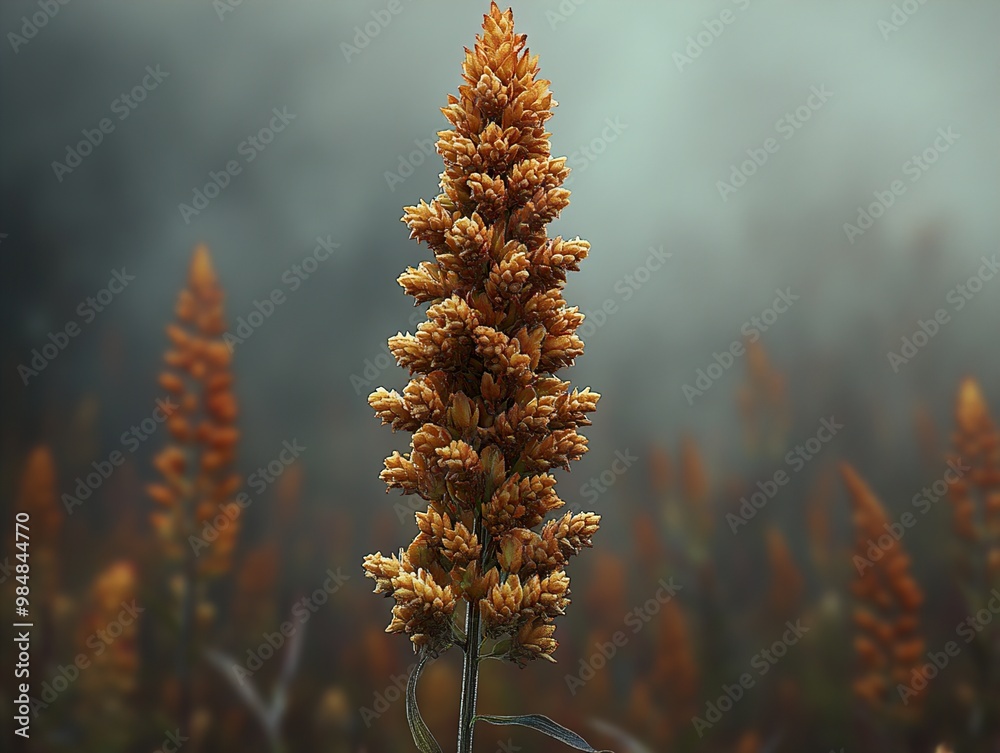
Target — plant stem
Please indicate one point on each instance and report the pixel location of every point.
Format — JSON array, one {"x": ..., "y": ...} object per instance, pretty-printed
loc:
[
  {"x": 189, "y": 574},
  {"x": 184, "y": 643},
  {"x": 470, "y": 678},
  {"x": 470, "y": 668}
]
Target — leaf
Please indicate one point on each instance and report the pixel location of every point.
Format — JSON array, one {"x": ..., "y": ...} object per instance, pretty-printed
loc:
[
  {"x": 289, "y": 668},
  {"x": 270, "y": 714},
  {"x": 543, "y": 724},
  {"x": 499, "y": 650},
  {"x": 632, "y": 745},
  {"x": 418, "y": 728},
  {"x": 228, "y": 667}
]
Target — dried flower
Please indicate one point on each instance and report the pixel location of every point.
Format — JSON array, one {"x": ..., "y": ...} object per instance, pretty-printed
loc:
[
  {"x": 197, "y": 468},
  {"x": 489, "y": 418},
  {"x": 888, "y": 642},
  {"x": 197, "y": 518},
  {"x": 975, "y": 488}
]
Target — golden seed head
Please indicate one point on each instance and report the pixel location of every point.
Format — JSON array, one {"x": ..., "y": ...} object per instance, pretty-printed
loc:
[
  {"x": 487, "y": 414},
  {"x": 382, "y": 571},
  {"x": 534, "y": 641}
]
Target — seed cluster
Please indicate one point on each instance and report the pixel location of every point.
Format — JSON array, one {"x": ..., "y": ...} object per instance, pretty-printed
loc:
[
  {"x": 488, "y": 416},
  {"x": 197, "y": 467},
  {"x": 888, "y": 644}
]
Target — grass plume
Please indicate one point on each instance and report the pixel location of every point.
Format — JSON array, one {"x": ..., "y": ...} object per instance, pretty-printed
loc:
[{"x": 489, "y": 418}]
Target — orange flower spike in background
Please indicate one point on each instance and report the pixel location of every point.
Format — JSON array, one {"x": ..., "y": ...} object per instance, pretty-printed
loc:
[
  {"x": 888, "y": 642},
  {"x": 976, "y": 443},
  {"x": 696, "y": 516},
  {"x": 489, "y": 418},
  {"x": 763, "y": 401},
  {"x": 675, "y": 674},
  {"x": 197, "y": 467},
  {"x": 37, "y": 497},
  {"x": 109, "y": 683},
  {"x": 196, "y": 517},
  {"x": 694, "y": 477}
]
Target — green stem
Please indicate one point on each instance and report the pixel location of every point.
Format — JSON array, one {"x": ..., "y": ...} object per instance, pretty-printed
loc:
[
  {"x": 470, "y": 679},
  {"x": 470, "y": 668}
]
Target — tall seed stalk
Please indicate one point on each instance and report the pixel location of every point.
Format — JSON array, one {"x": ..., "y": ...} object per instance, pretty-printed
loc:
[
  {"x": 489, "y": 418},
  {"x": 196, "y": 466}
]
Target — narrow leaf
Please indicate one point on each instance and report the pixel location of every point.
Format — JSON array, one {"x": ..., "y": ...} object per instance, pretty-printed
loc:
[
  {"x": 229, "y": 669},
  {"x": 289, "y": 668},
  {"x": 418, "y": 728},
  {"x": 546, "y": 725},
  {"x": 632, "y": 744}
]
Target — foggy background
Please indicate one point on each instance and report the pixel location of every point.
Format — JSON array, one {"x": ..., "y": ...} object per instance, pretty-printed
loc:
[{"x": 340, "y": 170}]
